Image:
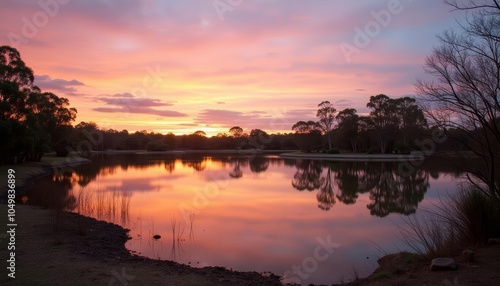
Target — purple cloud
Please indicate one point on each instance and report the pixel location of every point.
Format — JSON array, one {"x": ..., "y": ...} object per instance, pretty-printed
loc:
[
  {"x": 127, "y": 103},
  {"x": 45, "y": 82}
]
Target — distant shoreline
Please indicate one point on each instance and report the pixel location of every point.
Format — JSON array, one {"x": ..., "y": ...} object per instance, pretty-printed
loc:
[
  {"x": 286, "y": 154},
  {"x": 352, "y": 157},
  {"x": 181, "y": 152}
]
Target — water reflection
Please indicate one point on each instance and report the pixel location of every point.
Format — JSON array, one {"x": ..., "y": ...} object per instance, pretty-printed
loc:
[
  {"x": 58, "y": 192},
  {"x": 264, "y": 213},
  {"x": 308, "y": 175},
  {"x": 389, "y": 191},
  {"x": 59, "y": 195},
  {"x": 259, "y": 164},
  {"x": 325, "y": 196}
]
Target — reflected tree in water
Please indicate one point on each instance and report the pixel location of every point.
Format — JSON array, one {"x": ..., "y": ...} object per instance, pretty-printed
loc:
[
  {"x": 86, "y": 173},
  {"x": 197, "y": 163},
  {"x": 236, "y": 172},
  {"x": 308, "y": 175},
  {"x": 169, "y": 166},
  {"x": 389, "y": 191},
  {"x": 398, "y": 194},
  {"x": 55, "y": 192},
  {"x": 259, "y": 164},
  {"x": 347, "y": 180},
  {"x": 237, "y": 163},
  {"x": 325, "y": 196}
]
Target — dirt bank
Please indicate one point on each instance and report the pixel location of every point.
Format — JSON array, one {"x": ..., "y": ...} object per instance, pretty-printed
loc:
[
  {"x": 56, "y": 248},
  {"x": 408, "y": 269}
]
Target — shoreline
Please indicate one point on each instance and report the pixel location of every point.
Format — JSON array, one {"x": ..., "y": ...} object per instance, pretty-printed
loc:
[
  {"x": 182, "y": 152},
  {"x": 352, "y": 157},
  {"x": 54, "y": 247},
  {"x": 27, "y": 173}
]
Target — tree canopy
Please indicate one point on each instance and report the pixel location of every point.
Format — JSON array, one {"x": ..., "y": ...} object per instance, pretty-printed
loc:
[{"x": 31, "y": 121}]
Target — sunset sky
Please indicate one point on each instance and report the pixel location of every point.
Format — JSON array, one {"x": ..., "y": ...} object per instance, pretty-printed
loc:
[{"x": 186, "y": 65}]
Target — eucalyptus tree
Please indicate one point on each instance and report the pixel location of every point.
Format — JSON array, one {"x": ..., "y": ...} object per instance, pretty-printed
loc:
[
  {"x": 384, "y": 120},
  {"x": 412, "y": 121},
  {"x": 348, "y": 127},
  {"x": 31, "y": 121},
  {"x": 307, "y": 135},
  {"x": 236, "y": 131},
  {"x": 326, "y": 115},
  {"x": 16, "y": 80}
]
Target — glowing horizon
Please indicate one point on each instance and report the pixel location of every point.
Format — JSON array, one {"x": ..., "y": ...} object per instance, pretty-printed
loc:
[{"x": 184, "y": 66}]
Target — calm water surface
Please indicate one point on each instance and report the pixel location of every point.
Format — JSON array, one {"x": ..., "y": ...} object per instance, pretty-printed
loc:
[{"x": 331, "y": 219}]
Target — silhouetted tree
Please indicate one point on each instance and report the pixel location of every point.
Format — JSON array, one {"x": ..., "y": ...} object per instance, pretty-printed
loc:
[
  {"x": 170, "y": 141},
  {"x": 50, "y": 114},
  {"x": 464, "y": 94},
  {"x": 412, "y": 122},
  {"x": 31, "y": 122},
  {"x": 348, "y": 125},
  {"x": 326, "y": 115},
  {"x": 258, "y": 138},
  {"x": 236, "y": 131},
  {"x": 384, "y": 120},
  {"x": 307, "y": 135},
  {"x": 200, "y": 133},
  {"x": 16, "y": 80}
]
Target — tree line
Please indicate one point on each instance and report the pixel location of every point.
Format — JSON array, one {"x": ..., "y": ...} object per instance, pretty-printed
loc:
[
  {"x": 391, "y": 126},
  {"x": 102, "y": 139}
]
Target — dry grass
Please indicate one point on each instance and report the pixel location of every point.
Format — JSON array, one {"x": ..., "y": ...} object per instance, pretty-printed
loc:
[
  {"x": 110, "y": 206},
  {"x": 467, "y": 218}
]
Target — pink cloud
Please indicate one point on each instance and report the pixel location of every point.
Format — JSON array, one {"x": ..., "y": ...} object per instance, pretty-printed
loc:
[{"x": 265, "y": 55}]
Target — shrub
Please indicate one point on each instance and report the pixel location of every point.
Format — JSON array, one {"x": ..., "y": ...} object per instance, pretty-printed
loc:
[
  {"x": 156, "y": 146},
  {"x": 474, "y": 214},
  {"x": 333, "y": 151},
  {"x": 469, "y": 217}
]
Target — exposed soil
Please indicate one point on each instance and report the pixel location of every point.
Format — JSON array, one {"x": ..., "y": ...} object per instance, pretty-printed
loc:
[{"x": 58, "y": 248}]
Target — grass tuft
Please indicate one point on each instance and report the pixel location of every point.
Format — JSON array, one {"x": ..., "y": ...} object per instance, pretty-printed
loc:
[{"x": 468, "y": 218}]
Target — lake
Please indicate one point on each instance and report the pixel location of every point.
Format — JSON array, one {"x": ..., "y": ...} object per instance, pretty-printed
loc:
[{"x": 314, "y": 221}]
